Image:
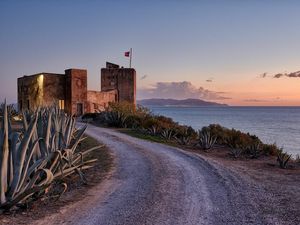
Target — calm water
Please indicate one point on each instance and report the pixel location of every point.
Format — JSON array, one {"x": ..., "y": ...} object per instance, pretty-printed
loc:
[{"x": 280, "y": 125}]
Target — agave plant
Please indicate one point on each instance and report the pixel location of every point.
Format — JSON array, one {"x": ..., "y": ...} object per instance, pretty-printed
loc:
[
  {"x": 206, "y": 140},
  {"x": 236, "y": 151},
  {"x": 183, "y": 138},
  {"x": 116, "y": 119},
  {"x": 20, "y": 177},
  {"x": 236, "y": 147},
  {"x": 254, "y": 150},
  {"x": 45, "y": 151},
  {"x": 168, "y": 134},
  {"x": 153, "y": 130},
  {"x": 11, "y": 110},
  {"x": 283, "y": 158}
]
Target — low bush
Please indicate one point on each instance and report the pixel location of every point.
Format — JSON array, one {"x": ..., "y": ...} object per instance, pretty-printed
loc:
[
  {"x": 283, "y": 159},
  {"x": 168, "y": 134},
  {"x": 254, "y": 150},
  {"x": 91, "y": 116},
  {"x": 206, "y": 140},
  {"x": 185, "y": 135},
  {"x": 269, "y": 149},
  {"x": 141, "y": 119}
]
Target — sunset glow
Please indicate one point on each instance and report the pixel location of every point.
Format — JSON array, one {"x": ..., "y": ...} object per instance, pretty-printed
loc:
[{"x": 229, "y": 51}]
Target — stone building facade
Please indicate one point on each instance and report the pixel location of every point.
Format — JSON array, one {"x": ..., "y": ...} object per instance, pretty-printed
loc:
[{"x": 69, "y": 90}]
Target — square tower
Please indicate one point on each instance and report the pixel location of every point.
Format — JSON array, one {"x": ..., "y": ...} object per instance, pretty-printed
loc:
[
  {"x": 121, "y": 79},
  {"x": 76, "y": 91}
]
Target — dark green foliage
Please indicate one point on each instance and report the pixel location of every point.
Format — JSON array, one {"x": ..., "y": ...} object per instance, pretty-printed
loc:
[
  {"x": 185, "y": 135},
  {"x": 141, "y": 119},
  {"x": 283, "y": 159},
  {"x": 231, "y": 137},
  {"x": 153, "y": 130},
  {"x": 91, "y": 116},
  {"x": 254, "y": 150},
  {"x": 206, "y": 140},
  {"x": 236, "y": 152},
  {"x": 270, "y": 149},
  {"x": 116, "y": 119},
  {"x": 168, "y": 134}
]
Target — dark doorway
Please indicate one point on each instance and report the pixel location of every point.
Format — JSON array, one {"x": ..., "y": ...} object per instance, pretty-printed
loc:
[{"x": 79, "y": 109}]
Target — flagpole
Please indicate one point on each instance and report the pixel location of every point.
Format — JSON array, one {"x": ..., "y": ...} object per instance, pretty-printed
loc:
[{"x": 130, "y": 57}]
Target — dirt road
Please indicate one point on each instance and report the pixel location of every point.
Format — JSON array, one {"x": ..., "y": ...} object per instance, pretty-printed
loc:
[{"x": 157, "y": 184}]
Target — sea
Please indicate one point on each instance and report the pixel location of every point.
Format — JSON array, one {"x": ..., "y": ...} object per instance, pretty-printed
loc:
[{"x": 280, "y": 125}]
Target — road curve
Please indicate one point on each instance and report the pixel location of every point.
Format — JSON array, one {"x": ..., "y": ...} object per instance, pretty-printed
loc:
[{"x": 157, "y": 184}]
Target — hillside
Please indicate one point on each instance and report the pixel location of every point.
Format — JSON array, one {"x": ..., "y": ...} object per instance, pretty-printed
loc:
[{"x": 176, "y": 102}]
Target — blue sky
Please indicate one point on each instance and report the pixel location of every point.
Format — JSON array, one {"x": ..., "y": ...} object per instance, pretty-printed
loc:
[{"x": 176, "y": 45}]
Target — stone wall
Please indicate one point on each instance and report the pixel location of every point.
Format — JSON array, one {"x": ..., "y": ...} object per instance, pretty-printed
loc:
[
  {"x": 54, "y": 89},
  {"x": 98, "y": 101},
  {"x": 30, "y": 92},
  {"x": 42, "y": 89},
  {"x": 70, "y": 89},
  {"x": 127, "y": 85},
  {"x": 122, "y": 79},
  {"x": 76, "y": 91}
]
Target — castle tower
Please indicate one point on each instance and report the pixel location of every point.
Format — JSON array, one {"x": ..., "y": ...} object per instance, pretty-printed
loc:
[
  {"x": 76, "y": 91},
  {"x": 121, "y": 79}
]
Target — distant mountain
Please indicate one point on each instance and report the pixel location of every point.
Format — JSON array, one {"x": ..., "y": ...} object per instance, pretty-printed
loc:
[{"x": 175, "y": 102}]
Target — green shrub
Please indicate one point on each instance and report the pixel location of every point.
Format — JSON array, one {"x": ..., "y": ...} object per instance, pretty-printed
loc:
[
  {"x": 254, "y": 150},
  {"x": 168, "y": 134},
  {"x": 185, "y": 135},
  {"x": 283, "y": 159},
  {"x": 206, "y": 140},
  {"x": 270, "y": 149},
  {"x": 91, "y": 116}
]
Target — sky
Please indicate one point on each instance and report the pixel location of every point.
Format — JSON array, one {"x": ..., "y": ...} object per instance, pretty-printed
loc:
[{"x": 231, "y": 51}]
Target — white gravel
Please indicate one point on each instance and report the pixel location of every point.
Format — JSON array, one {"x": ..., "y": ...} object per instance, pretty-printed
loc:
[{"x": 157, "y": 184}]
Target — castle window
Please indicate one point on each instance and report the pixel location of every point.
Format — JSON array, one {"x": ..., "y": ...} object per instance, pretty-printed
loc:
[{"x": 61, "y": 104}]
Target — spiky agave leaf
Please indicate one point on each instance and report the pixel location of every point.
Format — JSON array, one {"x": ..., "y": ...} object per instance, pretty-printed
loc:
[
  {"x": 20, "y": 157},
  {"x": 206, "y": 140},
  {"x": 4, "y": 157},
  {"x": 283, "y": 158}
]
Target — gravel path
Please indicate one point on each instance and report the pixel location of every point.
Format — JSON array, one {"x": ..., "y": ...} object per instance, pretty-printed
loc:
[{"x": 157, "y": 184}]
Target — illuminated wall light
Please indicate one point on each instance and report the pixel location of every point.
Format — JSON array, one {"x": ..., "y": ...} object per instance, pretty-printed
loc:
[{"x": 40, "y": 81}]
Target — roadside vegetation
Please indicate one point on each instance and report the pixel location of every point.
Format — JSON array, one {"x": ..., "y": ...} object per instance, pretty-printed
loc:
[
  {"x": 142, "y": 123},
  {"x": 40, "y": 155}
]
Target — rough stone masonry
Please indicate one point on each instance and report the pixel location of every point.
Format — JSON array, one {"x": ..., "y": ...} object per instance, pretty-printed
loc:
[{"x": 69, "y": 90}]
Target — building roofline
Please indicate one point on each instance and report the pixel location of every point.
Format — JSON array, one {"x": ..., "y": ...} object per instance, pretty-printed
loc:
[{"x": 42, "y": 73}]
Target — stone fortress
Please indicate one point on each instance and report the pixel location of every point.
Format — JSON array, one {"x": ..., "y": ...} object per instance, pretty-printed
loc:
[{"x": 69, "y": 90}]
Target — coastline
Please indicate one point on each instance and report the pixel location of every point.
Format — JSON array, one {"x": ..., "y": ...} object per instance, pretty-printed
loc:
[{"x": 279, "y": 125}]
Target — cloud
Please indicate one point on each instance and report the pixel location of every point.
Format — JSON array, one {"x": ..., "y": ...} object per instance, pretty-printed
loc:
[
  {"x": 144, "y": 77},
  {"x": 179, "y": 90},
  {"x": 209, "y": 80},
  {"x": 279, "y": 75},
  {"x": 261, "y": 100},
  {"x": 294, "y": 74},
  {"x": 263, "y": 75},
  {"x": 255, "y": 100}
]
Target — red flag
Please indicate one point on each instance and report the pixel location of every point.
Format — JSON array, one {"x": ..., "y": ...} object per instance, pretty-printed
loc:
[{"x": 127, "y": 54}]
